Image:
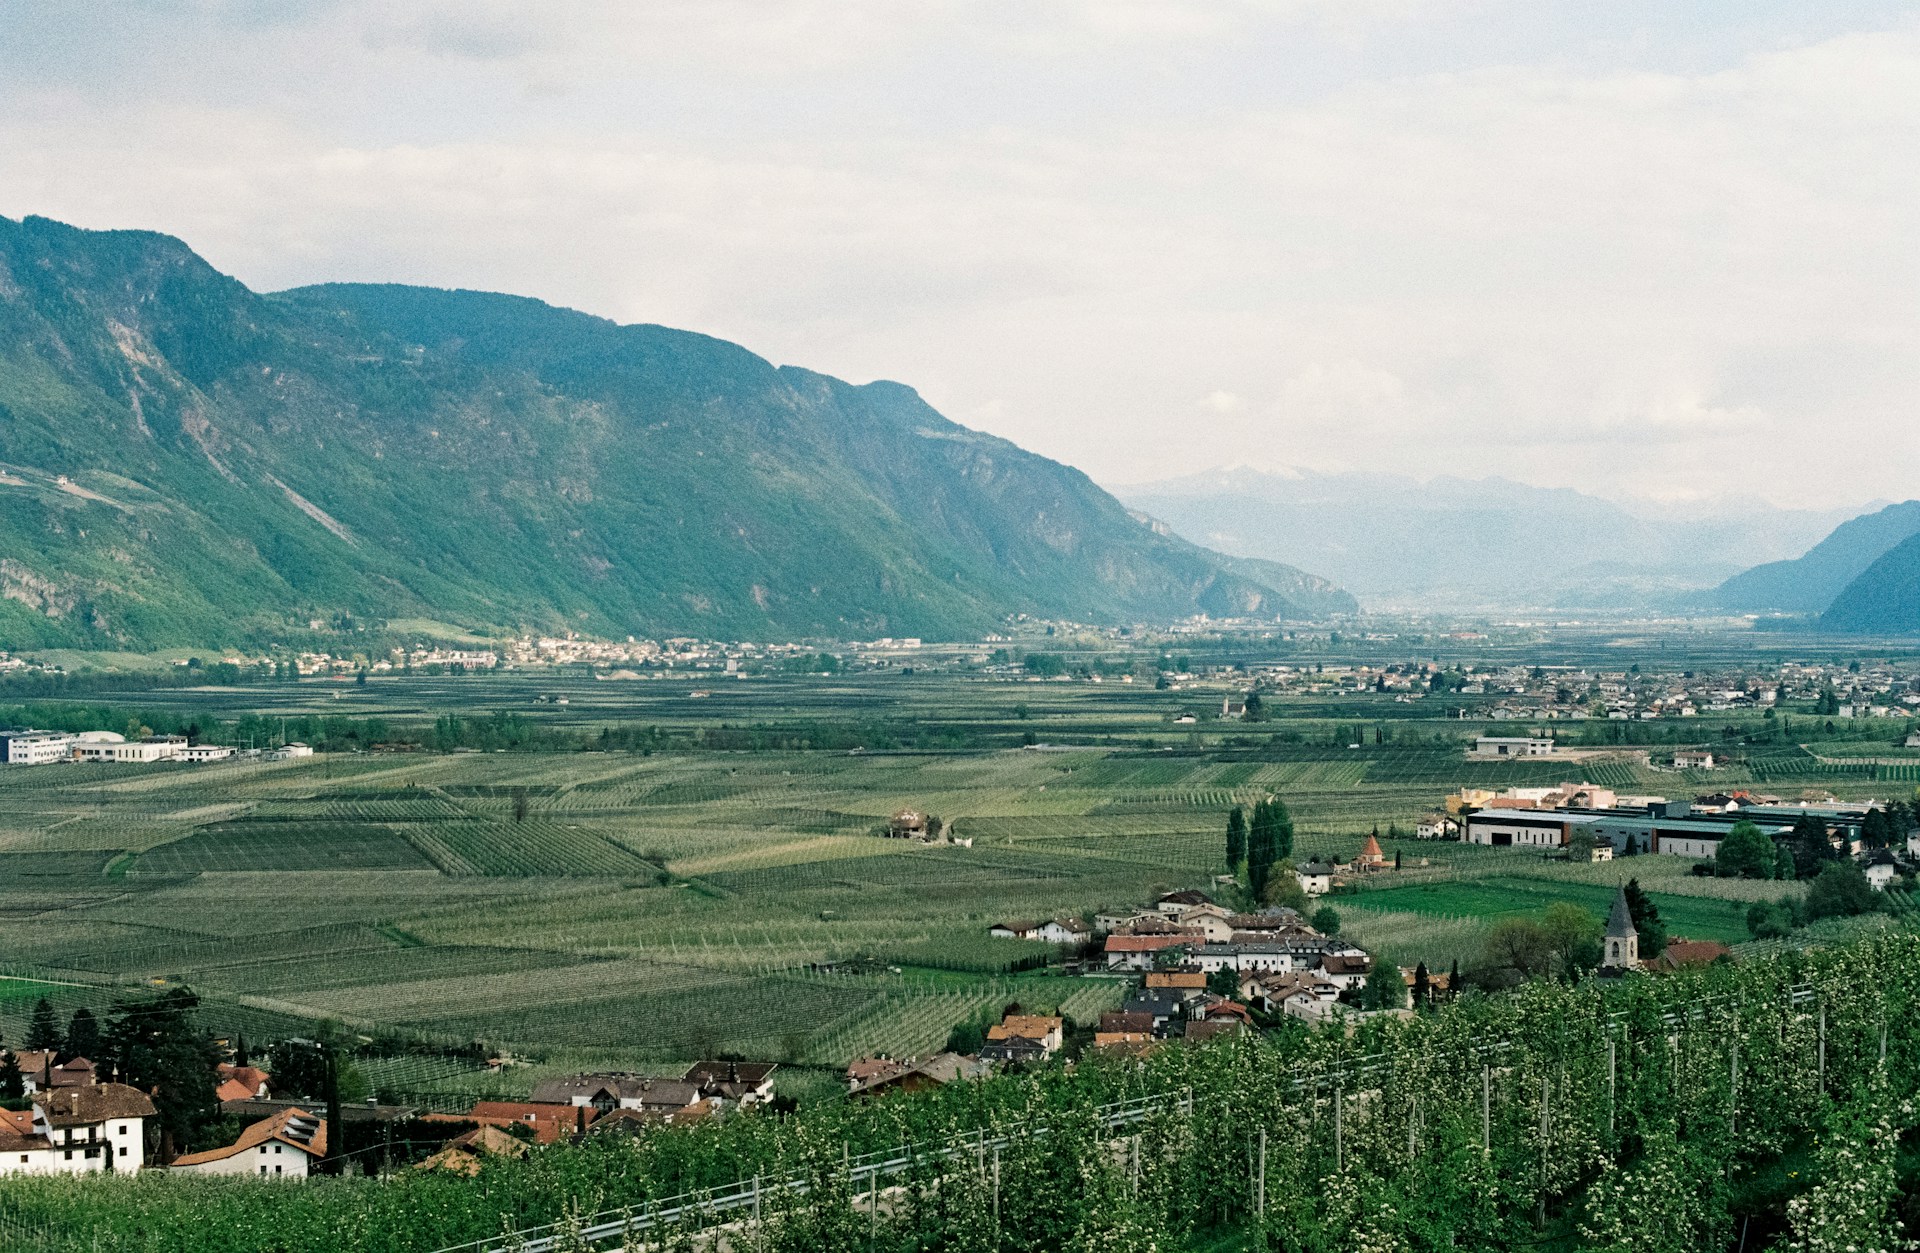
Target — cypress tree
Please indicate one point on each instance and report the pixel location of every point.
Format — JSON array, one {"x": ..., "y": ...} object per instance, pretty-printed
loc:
[
  {"x": 43, "y": 1029},
  {"x": 1260, "y": 849},
  {"x": 83, "y": 1035},
  {"x": 1236, "y": 838}
]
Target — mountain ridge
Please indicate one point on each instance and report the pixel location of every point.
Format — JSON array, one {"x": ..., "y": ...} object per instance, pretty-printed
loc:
[
  {"x": 1451, "y": 543},
  {"x": 196, "y": 461}
]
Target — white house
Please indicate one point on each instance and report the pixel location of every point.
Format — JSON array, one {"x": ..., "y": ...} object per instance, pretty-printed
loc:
[
  {"x": 1881, "y": 871},
  {"x": 1693, "y": 759},
  {"x": 284, "y": 1146},
  {"x": 1498, "y": 746},
  {"x": 1063, "y": 931},
  {"x": 199, "y": 753},
  {"x": 1316, "y": 877},
  {"x": 93, "y": 1129}
]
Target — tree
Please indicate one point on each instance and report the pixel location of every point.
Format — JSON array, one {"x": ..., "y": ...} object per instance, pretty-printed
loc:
[
  {"x": 13, "y": 1085},
  {"x": 154, "y": 1046},
  {"x": 1385, "y": 988},
  {"x": 1811, "y": 845},
  {"x": 1840, "y": 890},
  {"x": 1646, "y": 921},
  {"x": 43, "y": 1029},
  {"x": 1745, "y": 853},
  {"x": 1224, "y": 982},
  {"x": 1516, "y": 950},
  {"x": 1256, "y": 709},
  {"x": 1782, "y": 859},
  {"x": 1236, "y": 838},
  {"x": 83, "y": 1035},
  {"x": 299, "y": 1069},
  {"x": 241, "y": 1056},
  {"x": 1284, "y": 890},
  {"x": 1769, "y": 920},
  {"x": 1263, "y": 847},
  {"x": 1422, "y": 987},
  {"x": 1326, "y": 920},
  {"x": 1576, "y": 937}
]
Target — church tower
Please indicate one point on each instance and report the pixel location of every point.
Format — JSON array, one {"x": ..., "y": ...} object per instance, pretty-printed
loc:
[{"x": 1622, "y": 941}]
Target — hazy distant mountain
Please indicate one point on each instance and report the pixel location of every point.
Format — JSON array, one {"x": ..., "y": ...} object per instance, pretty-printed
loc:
[
  {"x": 1884, "y": 599},
  {"x": 1809, "y": 583},
  {"x": 1453, "y": 543},
  {"x": 183, "y": 460}
]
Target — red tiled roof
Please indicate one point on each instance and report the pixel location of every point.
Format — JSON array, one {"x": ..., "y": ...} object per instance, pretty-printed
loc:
[{"x": 293, "y": 1127}]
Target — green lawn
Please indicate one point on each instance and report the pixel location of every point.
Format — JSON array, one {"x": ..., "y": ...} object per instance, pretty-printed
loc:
[{"x": 1697, "y": 918}]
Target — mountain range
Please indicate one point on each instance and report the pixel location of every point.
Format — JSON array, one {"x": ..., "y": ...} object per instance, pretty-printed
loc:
[
  {"x": 186, "y": 461},
  {"x": 1457, "y": 544},
  {"x": 1825, "y": 573}
]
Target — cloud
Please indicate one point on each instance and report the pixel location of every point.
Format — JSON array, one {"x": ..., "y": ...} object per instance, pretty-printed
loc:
[{"x": 1423, "y": 237}]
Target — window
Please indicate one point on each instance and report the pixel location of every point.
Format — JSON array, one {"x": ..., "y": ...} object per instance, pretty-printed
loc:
[
  {"x": 263, "y": 1168},
  {"x": 120, "y": 1130},
  {"x": 123, "y": 1150},
  {"x": 276, "y": 1148},
  {"x": 69, "y": 1156},
  {"x": 276, "y": 1168}
]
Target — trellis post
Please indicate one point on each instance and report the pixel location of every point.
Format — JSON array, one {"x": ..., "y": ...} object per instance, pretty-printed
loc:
[{"x": 1486, "y": 1109}]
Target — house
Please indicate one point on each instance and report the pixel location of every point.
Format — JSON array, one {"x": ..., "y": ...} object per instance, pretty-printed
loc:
[
  {"x": 1160, "y": 1006},
  {"x": 1209, "y": 1029},
  {"x": 608, "y": 1092},
  {"x": 546, "y": 1123},
  {"x": 239, "y": 1083},
  {"x": 1693, "y": 759},
  {"x": 284, "y": 1146},
  {"x": 909, "y": 824},
  {"x": 629, "y": 1122},
  {"x": 1882, "y": 870},
  {"x": 1046, "y": 1030},
  {"x": 99, "y": 1127},
  {"x": 287, "y": 752},
  {"x": 23, "y": 1151},
  {"x": 865, "y": 1070},
  {"x": 1138, "y": 952},
  {"x": 1173, "y": 904},
  {"x": 1502, "y": 746},
  {"x": 39, "y": 1074},
  {"x": 1184, "y": 980},
  {"x": 1210, "y": 921},
  {"x": 1346, "y": 971},
  {"x": 1063, "y": 931},
  {"x": 464, "y": 1154},
  {"x": 199, "y": 754},
  {"x": 1012, "y": 1049},
  {"x": 1680, "y": 954},
  {"x": 735, "y": 1083},
  {"x": 1019, "y": 929},
  {"x": 936, "y": 1071},
  {"x": 1272, "y": 990},
  {"x": 1436, "y": 827},
  {"x": 1316, "y": 877}
]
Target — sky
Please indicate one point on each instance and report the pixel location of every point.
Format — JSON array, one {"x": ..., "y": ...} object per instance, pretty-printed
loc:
[{"x": 1641, "y": 248}]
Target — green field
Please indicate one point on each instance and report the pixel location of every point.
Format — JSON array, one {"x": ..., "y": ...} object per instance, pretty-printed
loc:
[{"x": 642, "y": 907}]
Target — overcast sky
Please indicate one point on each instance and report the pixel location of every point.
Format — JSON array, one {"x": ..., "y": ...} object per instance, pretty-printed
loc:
[{"x": 1639, "y": 247}]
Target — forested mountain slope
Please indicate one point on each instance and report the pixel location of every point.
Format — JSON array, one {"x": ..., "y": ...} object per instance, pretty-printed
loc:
[{"x": 183, "y": 460}]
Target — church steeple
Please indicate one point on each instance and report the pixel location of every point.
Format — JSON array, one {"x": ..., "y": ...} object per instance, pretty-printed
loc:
[{"x": 1622, "y": 940}]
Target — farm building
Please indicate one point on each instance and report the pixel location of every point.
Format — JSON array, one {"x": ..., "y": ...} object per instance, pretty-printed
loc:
[{"x": 1504, "y": 746}]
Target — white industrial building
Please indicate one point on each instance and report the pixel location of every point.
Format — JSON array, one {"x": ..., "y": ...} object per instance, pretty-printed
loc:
[{"x": 35, "y": 748}]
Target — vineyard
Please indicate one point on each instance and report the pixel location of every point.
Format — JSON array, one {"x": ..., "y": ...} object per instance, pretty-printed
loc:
[{"x": 1761, "y": 1106}]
